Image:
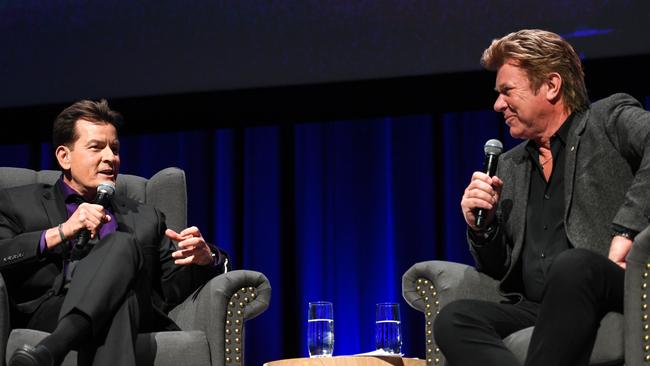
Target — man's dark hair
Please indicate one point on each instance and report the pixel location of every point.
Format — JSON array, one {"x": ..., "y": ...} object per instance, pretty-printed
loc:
[{"x": 64, "y": 131}]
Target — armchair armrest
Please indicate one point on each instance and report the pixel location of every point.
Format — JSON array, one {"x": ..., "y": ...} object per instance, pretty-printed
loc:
[
  {"x": 220, "y": 309},
  {"x": 5, "y": 325},
  {"x": 428, "y": 286},
  {"x": 446, "y": 282},
  {"x": 637, "y": 300}
]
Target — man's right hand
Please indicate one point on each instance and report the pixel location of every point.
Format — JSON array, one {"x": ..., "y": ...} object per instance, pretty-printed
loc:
[
  {"x": 482, "y": 192},
  {"x": 88, "y": 216}
]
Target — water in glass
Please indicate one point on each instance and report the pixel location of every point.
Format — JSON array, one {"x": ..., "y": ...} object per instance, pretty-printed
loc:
[
  {"x": 320, "y": 329},
  {"x": 388, "y": 337},
  {"x": 320, "y": 337}
]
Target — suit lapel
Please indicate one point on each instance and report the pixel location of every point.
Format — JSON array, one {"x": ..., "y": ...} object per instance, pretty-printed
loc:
[
  {"x": 573, "y": 144},
  {"x": 125, "y": 222},
  {"x": 54, "y": 205},
  {"x": 522, "y": 186}
]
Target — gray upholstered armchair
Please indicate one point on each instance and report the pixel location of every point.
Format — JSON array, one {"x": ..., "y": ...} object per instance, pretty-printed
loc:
[
  {"x": 622, "y": 339},
  {"x": 212, "y": 318}
]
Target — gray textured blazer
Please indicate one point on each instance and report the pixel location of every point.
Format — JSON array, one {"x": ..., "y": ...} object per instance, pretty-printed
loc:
[{"x": 607, "y": 177}]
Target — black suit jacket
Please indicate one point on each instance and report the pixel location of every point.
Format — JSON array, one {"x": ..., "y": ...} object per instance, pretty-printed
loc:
[{"x": 28, "y": 210}]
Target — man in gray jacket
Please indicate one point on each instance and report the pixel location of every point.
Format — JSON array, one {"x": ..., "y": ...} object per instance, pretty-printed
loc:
[{"x": 562, "y": 210}]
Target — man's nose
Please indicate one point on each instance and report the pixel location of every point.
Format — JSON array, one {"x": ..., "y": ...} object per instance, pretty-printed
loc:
[
  {"x": 500, "y": 105},
  {"x": 108, "y": 154}
]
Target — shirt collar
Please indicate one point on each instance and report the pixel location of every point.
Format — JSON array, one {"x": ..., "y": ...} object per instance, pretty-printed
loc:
[
  {"x": 69, "y": 193},
  {"x": 562, "y": 134},
  {"x": 563, "y": 131}
]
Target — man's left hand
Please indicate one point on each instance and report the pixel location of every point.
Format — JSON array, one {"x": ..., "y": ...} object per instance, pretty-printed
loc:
[
  {"x": 619, "y": 249},
  {"x": 192, "y": 247}
]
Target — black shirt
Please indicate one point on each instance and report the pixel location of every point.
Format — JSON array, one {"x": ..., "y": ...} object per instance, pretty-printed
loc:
[{"x": 545, "y": 235}]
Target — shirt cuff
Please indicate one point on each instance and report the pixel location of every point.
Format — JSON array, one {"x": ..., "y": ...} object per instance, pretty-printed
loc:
[
  {"x": 618, "y": 230},
  {"x": 219, "y": 259},
  {"x": 42, "y": 245},
  {"x": 485, "y": 236},
  {"x": 215, "y": 258}
]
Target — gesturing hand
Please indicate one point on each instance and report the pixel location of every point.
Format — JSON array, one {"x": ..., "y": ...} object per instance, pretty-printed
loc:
[{"x": 193, "y": 248}]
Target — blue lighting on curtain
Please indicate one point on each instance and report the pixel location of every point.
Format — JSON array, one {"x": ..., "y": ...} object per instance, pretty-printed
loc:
[
  {"x": 224, "y": 181},
  {"x": 587, "y": 32},
  {"x": 15, "y": 155},
  {"x": 333, "y": 211}
]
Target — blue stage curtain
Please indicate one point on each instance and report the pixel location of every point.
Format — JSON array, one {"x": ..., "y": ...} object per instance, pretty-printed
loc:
[{"x": 333, "y": 211}]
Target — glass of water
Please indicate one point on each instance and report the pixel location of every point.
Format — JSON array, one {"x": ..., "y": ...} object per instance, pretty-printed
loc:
[
  {"x": 320, "y": 329},
  {"x": 388, "y": 336}
]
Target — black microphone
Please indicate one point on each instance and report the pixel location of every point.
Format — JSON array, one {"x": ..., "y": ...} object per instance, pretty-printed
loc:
[
  {"x": 493, "y": 149},
  {"x": 105, "y": 192}
]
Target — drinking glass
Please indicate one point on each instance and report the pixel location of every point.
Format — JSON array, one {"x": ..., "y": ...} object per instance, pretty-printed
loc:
[
  {"x": 320, "y": 329},
  {"x": 388, "y": 336}
]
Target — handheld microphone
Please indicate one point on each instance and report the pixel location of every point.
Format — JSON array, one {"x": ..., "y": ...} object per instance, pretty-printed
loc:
[
  {"x": 493, "y": 149},
  {"x": 105, "y": 192}
]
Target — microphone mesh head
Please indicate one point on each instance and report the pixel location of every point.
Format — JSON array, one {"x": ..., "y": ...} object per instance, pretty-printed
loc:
[
  {"x": 493, "y": 147},
  {"x": 107, "y": 188}
]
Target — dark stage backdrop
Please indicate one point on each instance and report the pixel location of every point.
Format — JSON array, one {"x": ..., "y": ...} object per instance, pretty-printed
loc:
[
  {"x": 331, "y": 211},
  {"x": 57, "y": 51}
]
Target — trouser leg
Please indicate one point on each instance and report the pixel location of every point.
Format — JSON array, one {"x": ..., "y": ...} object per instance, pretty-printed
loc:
[
  {"x": 108, "y": 287},
  {"x": 103, "y": 279},
  {"x": 581, "y": 288},
  {"x": 45, "y": 318},
  {"x": 471, "y": 332},
  {"x": 117, "y": 345}
]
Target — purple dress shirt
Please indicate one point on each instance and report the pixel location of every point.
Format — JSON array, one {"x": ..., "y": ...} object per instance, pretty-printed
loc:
[{"x": 72, "y": 201}]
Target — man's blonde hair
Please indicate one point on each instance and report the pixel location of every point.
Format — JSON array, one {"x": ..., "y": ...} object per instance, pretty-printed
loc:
[{"x": 540, "y": 53}]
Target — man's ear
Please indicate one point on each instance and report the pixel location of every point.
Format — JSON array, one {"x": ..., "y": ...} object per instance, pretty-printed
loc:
[
  {"x": 63, "y": 157},
  {"x": 553, "y": 87}
]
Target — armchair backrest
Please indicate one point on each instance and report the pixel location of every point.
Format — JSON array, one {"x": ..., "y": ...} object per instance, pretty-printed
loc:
[{"x": 165, "y": 190}]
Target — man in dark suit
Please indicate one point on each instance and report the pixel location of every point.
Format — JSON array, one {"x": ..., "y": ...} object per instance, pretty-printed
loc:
[
  {"x": 94, "y": 298},
  {"x": 563, "y": 210}
]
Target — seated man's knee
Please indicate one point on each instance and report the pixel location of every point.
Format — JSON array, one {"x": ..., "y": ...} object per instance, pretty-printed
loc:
[
  {"x": 573, "y": 267},
  {"x": 446, "y": 325},
  {"x": 123, "y": 245}
]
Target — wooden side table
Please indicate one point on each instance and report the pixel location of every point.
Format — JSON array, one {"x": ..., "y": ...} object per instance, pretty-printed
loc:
[{"x": 349, "y": 361}]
